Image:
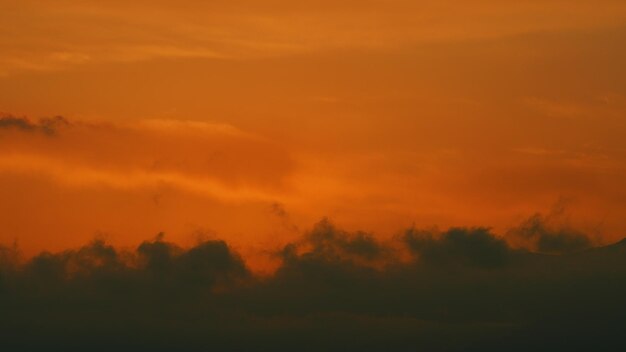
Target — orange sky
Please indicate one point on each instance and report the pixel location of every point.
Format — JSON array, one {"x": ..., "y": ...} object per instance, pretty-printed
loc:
[{"x": 250, "y": 120}]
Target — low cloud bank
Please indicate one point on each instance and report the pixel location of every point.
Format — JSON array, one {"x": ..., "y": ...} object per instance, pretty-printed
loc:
[{"x": 459, "y": 289}]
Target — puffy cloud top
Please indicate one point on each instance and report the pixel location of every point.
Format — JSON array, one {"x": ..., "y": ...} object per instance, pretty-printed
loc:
[{"x": 464, "y": 288}]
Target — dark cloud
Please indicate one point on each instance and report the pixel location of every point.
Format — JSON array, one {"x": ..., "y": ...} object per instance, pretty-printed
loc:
[
  {"x": 549, "y": 238},
  {"x": 16, "y": 122},
  {"x": 463, "y": 289},
  {"x": 326, "y": 241},
  {"x": 46, "y": 125},
  {"x": 475, "y": 247},
  {"x": 551, "y": 233},
  {"x": 278, "y": 209}
]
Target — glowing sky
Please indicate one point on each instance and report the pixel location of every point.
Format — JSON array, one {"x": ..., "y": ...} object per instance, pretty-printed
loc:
[
  {"x": 312, "y": 175},
  {"x": 252, "y": 120}
]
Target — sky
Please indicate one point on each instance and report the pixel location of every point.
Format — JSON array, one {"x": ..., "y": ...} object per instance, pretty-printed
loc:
[
  {"x": 250, "y": 125},
  {"x": 232, "y": 117}
]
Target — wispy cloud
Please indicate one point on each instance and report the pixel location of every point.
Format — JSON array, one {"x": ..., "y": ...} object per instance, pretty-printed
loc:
[
  {"x": 77, "y": 33},
  {"x": 214, "y": 160}
]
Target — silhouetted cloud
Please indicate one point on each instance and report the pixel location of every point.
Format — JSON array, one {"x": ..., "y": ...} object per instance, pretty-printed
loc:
[
  {"x": 325, "y": 240},
  {"x": 46, "y": 125},
  {"x": 278, "y": 209},
  {"x": 551, "y": 238},
  {"x": 464, "y": 289},
  {"x": 16, "y": 122},
  {"x": 459, "y": 246}
]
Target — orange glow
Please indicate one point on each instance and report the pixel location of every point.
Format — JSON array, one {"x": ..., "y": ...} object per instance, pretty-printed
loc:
[{"x": 250, "y": 121}]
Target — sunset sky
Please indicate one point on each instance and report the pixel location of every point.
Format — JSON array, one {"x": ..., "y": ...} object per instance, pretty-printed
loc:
[
  {"x": 252, "y": 121},
  {"x": 232, "y": 117}
]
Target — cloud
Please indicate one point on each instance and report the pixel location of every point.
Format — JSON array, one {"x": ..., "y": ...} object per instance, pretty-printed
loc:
[
  {"x": 327, "y": 241},
  {"x": 155, "y": 263},
  {"x": 204, "y": 265},
  {"x": 464, "y": 289},
  {"x": 549, "y": 239},
  {"x": 551, "y": 233},
  {"x": 46, "y": 125},
  {"x": 475, "y": 247},
  {"x": 236, "y": 30},
  {"x": 213, "y": 159}
]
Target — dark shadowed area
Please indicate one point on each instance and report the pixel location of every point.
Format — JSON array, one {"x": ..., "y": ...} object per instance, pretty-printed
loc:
[{"x": 455, "y": 290}]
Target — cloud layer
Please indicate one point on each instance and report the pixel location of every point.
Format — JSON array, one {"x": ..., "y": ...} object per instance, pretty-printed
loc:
[{"x": 453, "y": 290}]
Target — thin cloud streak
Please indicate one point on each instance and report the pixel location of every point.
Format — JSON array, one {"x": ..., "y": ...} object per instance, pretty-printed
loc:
[
  {"x": 245, "y": 30},
  {"x": 79, "y": 176}
]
